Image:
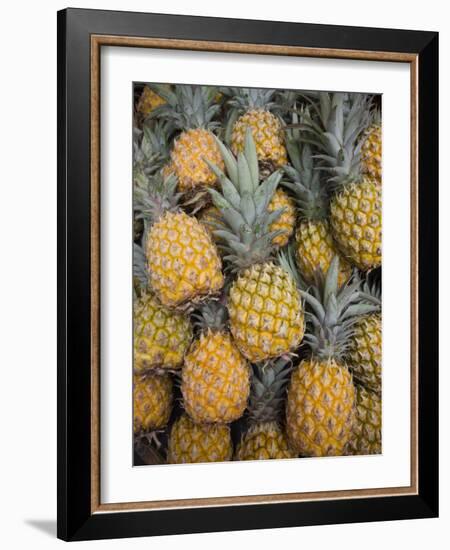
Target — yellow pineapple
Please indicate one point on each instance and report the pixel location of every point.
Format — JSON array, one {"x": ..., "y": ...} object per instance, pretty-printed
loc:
[
  {"x": 152, "y": 398},
  {"x": 364, "y": 348},
  {"x": 190, "y": 442},
  {"x": 265, "y": 437},
  {"x": 266, "y": 313},
  {"x": 264, "y": 305},
  {"x": 251, "y": 108},
  {"x": 215, "y": 377},
  {"x": 314, "y": 244},
  {"x": 366, "y": 435},
  {"x": 184, "y": 267},
  {"x": 191, "y": 109},
  {"x": 355, "y": 206},
  {"x": 148, "y": 101},
  {"x": 264, "y": 441},
  {"x": 161, "y": 336},
  {"x": 286, "y": 222},
  {"x": 320, "y": 408},
  {"x": 371, "y": 148}
]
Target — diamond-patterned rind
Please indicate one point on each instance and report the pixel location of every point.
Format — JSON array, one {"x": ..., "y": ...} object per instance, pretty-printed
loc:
[
  {"x": 315, "y": 250},
  {"x": 286, "y": 222},
  {"x": 366, "y": 436},
  {"x": 215, "y": 380},
  {"x": 266, "y": 313},
  {"x": 267, "y": 133},
  {"x": 355, "y": 218},
  {"x": 364, "y": 353},
  {"x": 188, "y": 154},
  {"x": 152, "y": 402},
  {"x": 183, "y": 262},
  {"x": 161, "y": 336},
  {"x": 371, "y": 152},
  {"x": 320, "y": 408},
  {"x": 194, "y": 443},
  {"x": 148, "y": 101},
  {"x": 264, "y": 441}
]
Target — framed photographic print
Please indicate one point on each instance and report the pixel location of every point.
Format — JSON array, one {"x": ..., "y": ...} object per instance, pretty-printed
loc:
[{"x": 247, "y": 251}]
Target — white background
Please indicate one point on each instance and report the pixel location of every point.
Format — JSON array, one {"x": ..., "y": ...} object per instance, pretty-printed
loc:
[
  {"x": 28, "y": 280},
  {"x": 120, "y": 482}
]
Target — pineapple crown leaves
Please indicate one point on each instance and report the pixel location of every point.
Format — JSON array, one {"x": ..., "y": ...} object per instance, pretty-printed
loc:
[
  {"x": 151, "y": 148},
  {"x": 244, "y": 99},
  {"x": 187, "y": 107},
  {"x": 286, "y": 259},
  {"x": 139, "y": 265},
  {"x": 140, "y": 278},
  {"x": 335, "y": 125},
  {"x": 333, "y": 313},
  {"x": 370, "y": 290},
  {"x": 212, "y": 315},
  {"x": 303, "y": 180},
  {"x": 154, "y": 196},
  {"x": 268, "y": 387},
  {"x": 243, "y": 204}
]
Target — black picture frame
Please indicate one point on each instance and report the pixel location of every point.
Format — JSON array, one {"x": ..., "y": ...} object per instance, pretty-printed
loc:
[{"x": 76, "y": 521}]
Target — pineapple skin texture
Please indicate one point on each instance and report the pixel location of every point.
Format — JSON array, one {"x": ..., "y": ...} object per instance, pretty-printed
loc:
[
  {"x": 148, "y": 101},
  {"x": 371, "y": 152},
  {"x": 187, "y": 158},
  {"x": 366, "y": 436},
  {"x": 194, "y": 443},
  {"x": 183, "y": 262},
  {"x": 267, "y": 133},
  {"x": 320, "y": 408},
  {"x": 315, "y": 250},
  {"x": 153, "y": 399},
  {"x": 364, "y": 352},
  {"x": 264, "y": 441},
  {"x": 266, "y": 312},
  {"x": 355, "y": 218},
  {"x": 286, "y": 222},
  {"x": 215, "y": 380},
  {"x": 161, "y": 336}
]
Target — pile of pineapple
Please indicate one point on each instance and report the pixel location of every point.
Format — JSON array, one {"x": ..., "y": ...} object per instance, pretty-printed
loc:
[{"x": 257, "y": 256}]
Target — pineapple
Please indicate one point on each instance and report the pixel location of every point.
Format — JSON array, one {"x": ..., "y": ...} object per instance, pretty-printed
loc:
[
  {"x": 215, "y": 379},
  {"x": 264, "y": 305},
  {"x": 314, "y": 244},
  {"x": 190, "y": 442},
  {"x": 320, "y": 408},
  {"x": 251, "y": 108},
  {"x": 363, "y": 354},
  {"x": 371, "y": 147},
  {"x": 355, "y": 207},
  {"x": 148, "y": 101},
  {"x": 161, "y": 336},
  {"x": 184, "y": 267},
  {"x": 366, "y": 435},
  {"x": 264, "y": 441},
  {"x": 191, "y": 109},
  {"x": 152, "y": 397},
  {"x": 283, "y": 226},
  {"x": 265, "y": 437}
]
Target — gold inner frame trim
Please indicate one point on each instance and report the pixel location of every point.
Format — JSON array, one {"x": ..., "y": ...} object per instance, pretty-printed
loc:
[{"x": 97, "y": 41}]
